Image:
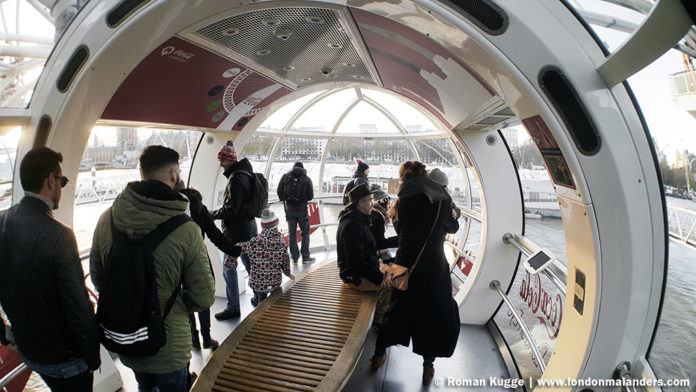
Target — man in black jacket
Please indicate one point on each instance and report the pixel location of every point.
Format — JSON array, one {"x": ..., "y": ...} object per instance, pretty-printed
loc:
[
  {"x": 237, "y": 224},
  {"x": 295, "y": 190},
  {"x": 357, "y": 250},
  {"x": 42, "y": 284},
  {"x": 199, "y": 213}
]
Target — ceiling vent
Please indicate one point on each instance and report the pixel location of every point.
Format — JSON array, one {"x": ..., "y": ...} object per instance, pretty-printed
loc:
[
  {"x": 277, "y": 39},
  {"x": 501, "y": 118}
]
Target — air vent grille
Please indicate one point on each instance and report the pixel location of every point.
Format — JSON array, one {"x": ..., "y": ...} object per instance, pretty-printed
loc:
[
  {"x": 304, "y": 45},
  {"x": 565, "y": 99},
  {"x": 123, "y": 10},
  {"x": 72, "y": 68},
  {"x": 485, "y": 14}
]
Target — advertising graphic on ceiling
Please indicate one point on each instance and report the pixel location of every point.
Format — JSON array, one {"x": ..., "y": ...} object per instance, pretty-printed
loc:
[
  {"x": 419, "y": 68},
  {"x": 184, "y": 84}
]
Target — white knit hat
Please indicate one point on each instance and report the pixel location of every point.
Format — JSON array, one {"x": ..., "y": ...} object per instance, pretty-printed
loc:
[{"x": 269, "y": 219}]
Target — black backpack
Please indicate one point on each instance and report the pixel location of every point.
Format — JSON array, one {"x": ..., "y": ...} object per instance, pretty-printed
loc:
[
  {"x": 259, "y": 193},
  {"x": 349, "y": 186},
  {"x": 128, "y": 310},
  {"x": 294, "y": 189}
]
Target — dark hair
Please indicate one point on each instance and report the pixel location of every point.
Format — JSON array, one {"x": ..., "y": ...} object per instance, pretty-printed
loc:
[
  {"x": 38, "y": 164},
  {"x": 154, "y": 158},
  {"x": 411, "y": 169},
  {"x": 394, "y": 212}
]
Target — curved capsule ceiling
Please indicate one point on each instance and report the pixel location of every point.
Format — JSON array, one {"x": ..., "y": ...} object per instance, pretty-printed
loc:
[
  {"x": 543, "y": 68},
  {"x": 219, "y": 74}
]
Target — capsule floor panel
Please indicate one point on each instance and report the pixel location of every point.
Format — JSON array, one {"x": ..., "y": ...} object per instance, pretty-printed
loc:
[{"x": 476, "y": 357}]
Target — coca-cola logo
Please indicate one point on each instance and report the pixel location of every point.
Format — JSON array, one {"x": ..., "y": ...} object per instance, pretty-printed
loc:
[
  {"x": 544, "y": 306},
  {"x": 176, "y": 54}
]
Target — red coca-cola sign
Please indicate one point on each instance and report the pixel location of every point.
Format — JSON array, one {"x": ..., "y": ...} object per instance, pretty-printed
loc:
[{"x": 546, "y": 307}]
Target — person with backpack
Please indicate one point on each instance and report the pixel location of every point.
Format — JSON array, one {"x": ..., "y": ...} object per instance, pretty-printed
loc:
[
  {"x": 42, "y": 284},
  {"x": 295, "y": 190},
  {"x": 245, "y": 197},
  {"x": 268, "y": 254},
  {"x": 359, "y": 177},
  {"x": 148, "y": 254}
]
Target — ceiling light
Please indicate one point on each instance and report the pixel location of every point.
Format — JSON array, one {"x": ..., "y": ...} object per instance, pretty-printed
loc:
[
  {"x": 271, "y": 22},
  {"x": 314, "y": 19},
  {"x": 283, "y": 34},
  {"x": 230, "y": 32}
]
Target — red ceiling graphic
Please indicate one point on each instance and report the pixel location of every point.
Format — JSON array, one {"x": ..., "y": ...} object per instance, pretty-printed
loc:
[
  {"x": 404, "y": 56},
  {"x": 184, "y": 84}
]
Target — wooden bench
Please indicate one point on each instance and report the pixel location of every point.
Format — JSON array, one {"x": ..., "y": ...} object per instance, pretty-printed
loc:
[{"x": 307, "y": 338}]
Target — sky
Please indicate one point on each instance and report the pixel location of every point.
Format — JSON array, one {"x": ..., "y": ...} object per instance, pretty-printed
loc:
[{"x": 673, "y": 128}]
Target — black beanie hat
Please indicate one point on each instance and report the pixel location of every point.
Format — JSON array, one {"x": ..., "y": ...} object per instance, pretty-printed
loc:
[
  {"x": 362, "y": 166},
  {"x": 298, "y": 164}
]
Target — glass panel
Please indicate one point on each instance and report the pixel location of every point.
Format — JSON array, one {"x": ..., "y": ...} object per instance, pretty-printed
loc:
[
  {"x": 364, "y": 119},
  {"x": 413, "y": 120},
  {"x": 110, "y": 161},
  {"x": 8, "y": 157},
  {"x": 322, "y": 116},
  {"x": 602, "y": 13},
  {"x": 436, "y": 152},
  {"x": 316, "y": 237},
  {"x": 538, "y": 301},
  {"x": 258, "y": 149},
  {"x": 280, "y": 117},
  {"x": 383, "y": 156},
  {"x": 30, "y": 35},
  {"x": 25, "y": 55},
  {"x": 306, "y": 150}
]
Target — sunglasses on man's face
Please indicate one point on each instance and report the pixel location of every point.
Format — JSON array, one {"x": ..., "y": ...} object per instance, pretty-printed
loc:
[{"x": 63, "y": 180}]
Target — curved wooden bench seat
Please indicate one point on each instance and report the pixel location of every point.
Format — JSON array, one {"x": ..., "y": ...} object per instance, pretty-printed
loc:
[{"x": 307, "y": 338}]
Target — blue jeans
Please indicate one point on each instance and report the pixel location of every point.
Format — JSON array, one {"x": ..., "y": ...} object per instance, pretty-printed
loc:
[
  {"x": 303, "y": 221},
  {"x": 176, "y": 381},
  {"x": 232, "y": 285},
  {"x": 62, "y": 370}
]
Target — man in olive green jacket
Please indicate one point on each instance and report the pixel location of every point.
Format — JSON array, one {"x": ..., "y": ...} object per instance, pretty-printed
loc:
[{"x": 137, "y": 211}]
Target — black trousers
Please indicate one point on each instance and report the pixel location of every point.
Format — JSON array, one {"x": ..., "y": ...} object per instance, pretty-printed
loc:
[{"x": 80, "y": 383}]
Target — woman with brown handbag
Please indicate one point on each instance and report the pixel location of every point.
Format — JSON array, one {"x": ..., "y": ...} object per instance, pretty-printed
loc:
[{"x": 425, "y": 312}]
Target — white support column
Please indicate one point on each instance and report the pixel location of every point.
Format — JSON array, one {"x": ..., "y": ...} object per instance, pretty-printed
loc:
[{"x": 502, "y": 212}]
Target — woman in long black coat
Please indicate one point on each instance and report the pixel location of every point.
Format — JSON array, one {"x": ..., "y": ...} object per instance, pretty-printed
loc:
[{"x": 426, "y": 313}]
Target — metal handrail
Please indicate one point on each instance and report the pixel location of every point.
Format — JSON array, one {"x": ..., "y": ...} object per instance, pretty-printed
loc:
[
  {"x": 9, "y": 377},
  {"x": 623, "y": 372},
  {"x": 473, "y": 214},
  {"x": 676, "y": 231},
  {"x": 528, "y": 248},
  {"x": 495, "y": 285}
]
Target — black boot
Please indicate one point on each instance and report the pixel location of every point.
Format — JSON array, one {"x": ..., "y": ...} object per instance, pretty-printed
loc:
[
  {"x": 210, "y": 343},
  {"x": 194, "y": 340}
]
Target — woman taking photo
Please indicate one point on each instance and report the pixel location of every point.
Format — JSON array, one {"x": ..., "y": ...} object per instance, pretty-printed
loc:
[{"x": 426, "y": 312}]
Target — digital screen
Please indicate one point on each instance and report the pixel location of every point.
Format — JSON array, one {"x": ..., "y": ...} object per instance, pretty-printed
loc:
[{"x": 538, "y": 260}]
